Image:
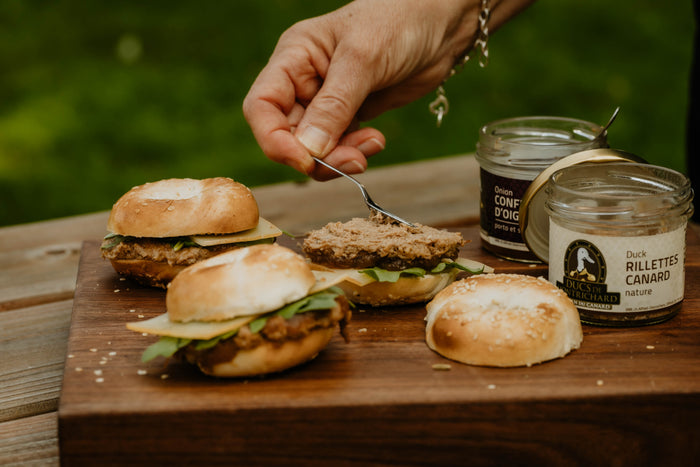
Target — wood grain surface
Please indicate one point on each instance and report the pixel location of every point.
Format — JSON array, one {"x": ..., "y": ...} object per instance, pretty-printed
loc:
[
  {"x": 627, "y": 397},
  {"x": 39, "y": 265}
]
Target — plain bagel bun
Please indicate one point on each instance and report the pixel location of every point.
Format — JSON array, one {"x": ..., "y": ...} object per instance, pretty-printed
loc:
[
  {"x": 502, "y": 320},
  {"x": 184, "y": 206},
  {"x": 405, "y": 291},
  {"x": 240, "y": 282}
]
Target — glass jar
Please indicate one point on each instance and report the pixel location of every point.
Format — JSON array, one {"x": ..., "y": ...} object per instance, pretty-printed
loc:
[
  {"x": 511, "y": 153},
  {"x": 617, "y": 240}
]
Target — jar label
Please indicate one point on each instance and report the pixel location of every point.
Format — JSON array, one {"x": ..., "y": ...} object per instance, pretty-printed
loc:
[
  {"x": 500, "y": 205},
  {"x": 618, "y": 274}
]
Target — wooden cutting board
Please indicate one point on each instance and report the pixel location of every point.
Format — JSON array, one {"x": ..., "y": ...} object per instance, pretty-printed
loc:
[{"x": 631, "y": 394}]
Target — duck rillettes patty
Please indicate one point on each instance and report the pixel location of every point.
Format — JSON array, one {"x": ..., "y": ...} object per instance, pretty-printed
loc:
[{"x": 365, "y": 243}]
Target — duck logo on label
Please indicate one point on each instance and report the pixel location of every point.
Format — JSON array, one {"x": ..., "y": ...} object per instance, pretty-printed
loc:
[{"x": 584, "y": 277}]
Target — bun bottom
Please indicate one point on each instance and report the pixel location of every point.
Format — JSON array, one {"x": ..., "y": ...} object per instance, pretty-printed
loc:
[
  {"x": 405, "y": 291},
  {"x": 271, "y": 357},
  {"x": 150, "y": 273}
]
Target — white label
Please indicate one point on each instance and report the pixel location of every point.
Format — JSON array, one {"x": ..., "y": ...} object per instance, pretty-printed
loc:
[{"x": 618, "y": 274}]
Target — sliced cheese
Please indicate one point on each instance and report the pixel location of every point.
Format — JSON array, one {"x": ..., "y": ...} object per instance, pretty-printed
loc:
[
  {"x": 162, "y": 326},
  {"x": 474, "y": 265},
  {"x": 264, "y": 229},
  {"x": 329, "y": 277}
]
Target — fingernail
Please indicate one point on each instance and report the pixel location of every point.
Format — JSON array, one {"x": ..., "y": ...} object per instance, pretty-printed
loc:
[
  {"x": 370, "y": 147},
  {"x": 305, "y": 166},
  {"x": 352, "y": 167},
  {"x": 314, "y": 139}
]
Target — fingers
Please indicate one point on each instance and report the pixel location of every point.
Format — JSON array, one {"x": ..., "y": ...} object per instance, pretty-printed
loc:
[
  {"x": 332, "y": 110},
  {"x": 351, "y": 154},
  {"x": 272, "y": 111}
]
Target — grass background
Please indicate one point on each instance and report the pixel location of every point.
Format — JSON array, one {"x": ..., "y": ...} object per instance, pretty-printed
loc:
[{"x": 96, "y": 97}]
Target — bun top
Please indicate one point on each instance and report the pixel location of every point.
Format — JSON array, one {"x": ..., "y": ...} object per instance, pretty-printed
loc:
[
  {"x": 241, "y": 282},
  {"x": 184, "y": 206},
  {"x": 502, "y": 320}
]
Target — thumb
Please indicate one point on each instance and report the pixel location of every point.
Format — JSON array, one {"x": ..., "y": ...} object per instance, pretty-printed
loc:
[{"x": 332, "y": 110}]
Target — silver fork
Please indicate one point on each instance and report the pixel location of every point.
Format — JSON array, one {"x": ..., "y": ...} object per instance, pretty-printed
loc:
[{"x": 368, "y": 200}]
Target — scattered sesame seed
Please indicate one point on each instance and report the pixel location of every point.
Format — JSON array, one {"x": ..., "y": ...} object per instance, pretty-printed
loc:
[
  {"x": 70, "y": 355},
  {"x": 122, "y": 278},
  {"x": 99, "y": 380},
  {"x": 97, "y": 372},
  {"x": 78, "y": 368},
  {"x": 491, "y": 386},
  {"x": 164, "y": 376},
  {"x": 141, "y": 372},
  {"x": 362, "y": 330},
  {"x": 116, "y": 290},
  {"x": 650, "y": 347},
  {"x": 442, "y": 366},
  {"x": 599, "y": 382},
  {"x": 144, "y": 334},
  {"x": 140, "y": 316},
  {"x": 112, "y": 354},
  {"x": 132, "y": 311},
  {"x": 93, "y": 350}
]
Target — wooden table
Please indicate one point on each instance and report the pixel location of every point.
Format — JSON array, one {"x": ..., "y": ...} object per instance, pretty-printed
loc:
[{"x": 625, "y": 417}]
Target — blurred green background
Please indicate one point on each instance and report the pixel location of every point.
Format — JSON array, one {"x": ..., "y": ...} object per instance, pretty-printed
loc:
[{"x": 96, "y": 97}]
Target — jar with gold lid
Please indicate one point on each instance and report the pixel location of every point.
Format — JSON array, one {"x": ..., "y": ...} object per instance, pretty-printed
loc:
[{"x": 617, "y": 235}]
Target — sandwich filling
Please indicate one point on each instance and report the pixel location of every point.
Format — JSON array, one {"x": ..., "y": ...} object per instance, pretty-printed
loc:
[
  {"x": 185, "y": 250},
  {"x": 369, "y": 243},
  {"x": 200, "y": 343}
]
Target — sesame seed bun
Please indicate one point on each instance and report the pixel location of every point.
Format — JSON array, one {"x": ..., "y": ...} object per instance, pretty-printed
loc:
[
  {"x": 502, "y": 320},
  {"x": 241, "y": 282},
  {"x": 184, "y": 206}
]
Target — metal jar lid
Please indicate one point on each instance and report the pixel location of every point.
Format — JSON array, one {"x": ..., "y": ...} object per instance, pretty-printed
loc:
[{"x": 534, "y": 221}]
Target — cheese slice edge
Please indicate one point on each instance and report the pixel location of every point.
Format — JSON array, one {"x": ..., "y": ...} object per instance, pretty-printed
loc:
[
  {"x": 162, "y": 326},
  {"x": 264, "y": 229}
]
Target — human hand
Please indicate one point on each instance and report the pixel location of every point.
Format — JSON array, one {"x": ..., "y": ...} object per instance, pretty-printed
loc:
[{"x": 329, "y": 73}]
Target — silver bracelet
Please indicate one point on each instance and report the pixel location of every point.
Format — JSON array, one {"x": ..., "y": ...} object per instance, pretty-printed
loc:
[{"x": 440, "y": 106}]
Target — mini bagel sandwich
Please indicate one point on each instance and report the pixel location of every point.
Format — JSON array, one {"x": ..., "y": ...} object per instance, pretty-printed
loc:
[
  {"x": 247, "y": 312},
  {"x": 386, "y": 263},
  {"x": 159, "y": 228}
]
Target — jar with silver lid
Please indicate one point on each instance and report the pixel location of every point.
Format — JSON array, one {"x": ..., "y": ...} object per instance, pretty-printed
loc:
[
  {"x": 511, "y": 153},
  {"x": 617, "y": 240}
]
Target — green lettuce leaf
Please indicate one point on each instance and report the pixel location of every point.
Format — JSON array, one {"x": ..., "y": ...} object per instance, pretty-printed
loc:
[
  {"x": 323, "y": 300},
  {"x": 382, "y": 275},
  {"x": 180, "y": 243},
  {"x": 166, "y": 346},
  {"x": 114, "y": 240}
]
